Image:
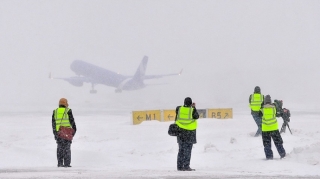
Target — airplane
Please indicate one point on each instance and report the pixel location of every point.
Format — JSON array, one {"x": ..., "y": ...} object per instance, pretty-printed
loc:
[{"x": 89, "y": 73}]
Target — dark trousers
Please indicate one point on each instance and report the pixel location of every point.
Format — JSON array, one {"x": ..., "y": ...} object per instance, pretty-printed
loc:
[
  {"x": 184, "y": 155},
  {"x": 278, "y": 142},
  {"x": 63, "y": 152},
  {"x": 258, "y": 119}
]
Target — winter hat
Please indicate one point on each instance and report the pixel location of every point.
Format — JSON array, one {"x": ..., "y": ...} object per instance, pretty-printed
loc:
[
  {"x": 187, "y": 101},
  {"x": 267, "y": 99},
  {"x": 63, "y": 102},
  {"x": 257, "y": 89}
]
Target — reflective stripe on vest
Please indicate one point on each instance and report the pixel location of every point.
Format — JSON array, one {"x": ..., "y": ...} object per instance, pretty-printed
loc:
[
  {"x": 185, "y": 120},
  {"x": 269, "y": 120},
  {"x": 62, "y": 118},
  {"x": 256, "y": 101}
]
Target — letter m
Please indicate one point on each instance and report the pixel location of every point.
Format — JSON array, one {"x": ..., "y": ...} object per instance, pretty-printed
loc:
[{"x": 148, "y": 117}]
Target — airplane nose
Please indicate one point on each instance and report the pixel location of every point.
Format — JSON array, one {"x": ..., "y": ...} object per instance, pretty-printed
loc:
[{"x": 74, "y": 65}]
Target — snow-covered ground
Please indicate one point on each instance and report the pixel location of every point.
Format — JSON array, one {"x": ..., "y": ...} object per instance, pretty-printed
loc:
[
  {"x": 107, "y": 145},
  {"x": 224, "y": 49}
]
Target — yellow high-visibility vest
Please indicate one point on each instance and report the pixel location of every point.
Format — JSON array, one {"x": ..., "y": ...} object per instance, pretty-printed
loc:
[
  {"x": 256, "y": 101},
  {"x": 185, "y": 120},
  {"x": 62, "y": 118},
  {"x": 269, "y": 120}
]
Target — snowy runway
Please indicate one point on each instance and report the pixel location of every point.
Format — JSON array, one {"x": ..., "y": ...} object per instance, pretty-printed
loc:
[
  {"x": 107, "y": 145},
  {"x": 143, "y": 174}
]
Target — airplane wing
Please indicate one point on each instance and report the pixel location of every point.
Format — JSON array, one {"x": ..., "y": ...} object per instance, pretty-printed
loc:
[
  {"x": 146, "y": 77},
  {"x": 76, "y": 80}
]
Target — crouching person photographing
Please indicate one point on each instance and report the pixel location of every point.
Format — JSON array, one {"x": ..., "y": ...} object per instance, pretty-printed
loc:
[{"x": 186, "y": 119}]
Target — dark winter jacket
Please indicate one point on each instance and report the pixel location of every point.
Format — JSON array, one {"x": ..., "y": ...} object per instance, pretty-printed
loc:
[
  {"x": 256, "y": 112},
  {"x": 278, "y": 105},
  {"x": 187, "y": 136},
  {"x": 71, "y": 119}
]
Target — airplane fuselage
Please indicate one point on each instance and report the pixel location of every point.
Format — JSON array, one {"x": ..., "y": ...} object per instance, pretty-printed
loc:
[{"x": 98, "y": 75}]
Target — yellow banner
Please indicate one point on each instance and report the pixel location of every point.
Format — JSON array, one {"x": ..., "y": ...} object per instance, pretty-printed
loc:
[
  {"x": 140, "y": 116},
  {"x": 220, "y": 113},
  {"x": 202, "y": 113},
  {"x": 169, "y": 115}
]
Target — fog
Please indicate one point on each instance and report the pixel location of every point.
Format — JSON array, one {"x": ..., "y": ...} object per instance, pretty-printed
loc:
[{"x": 225, "y": 49}]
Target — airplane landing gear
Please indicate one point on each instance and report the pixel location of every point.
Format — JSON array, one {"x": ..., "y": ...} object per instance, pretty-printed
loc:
[{"x": 93, "y": 91}]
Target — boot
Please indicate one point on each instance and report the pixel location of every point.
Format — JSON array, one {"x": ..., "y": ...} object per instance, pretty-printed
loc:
[
  {"x": 189, "y": 169},
  {"x": 257, "y": 135},
  {"x": 180, "y": 169}
]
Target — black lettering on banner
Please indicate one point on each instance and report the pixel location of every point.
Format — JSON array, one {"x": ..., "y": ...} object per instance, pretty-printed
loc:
[
  {"x": 148, "y": 117},
  {"x": 213, "y": 115},
  {"x": 139, "y": 117},
  {"x": 226, "y": 115},
  {"x": 219, "y": 115}
]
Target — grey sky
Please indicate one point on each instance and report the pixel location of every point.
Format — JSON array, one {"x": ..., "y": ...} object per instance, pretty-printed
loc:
[{"x": 225, "y": 48}]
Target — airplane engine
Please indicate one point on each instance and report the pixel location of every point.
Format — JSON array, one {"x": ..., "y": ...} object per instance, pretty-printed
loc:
[
  {"x": 129, "y": 84},
  {"x": 76, "y": 83}
]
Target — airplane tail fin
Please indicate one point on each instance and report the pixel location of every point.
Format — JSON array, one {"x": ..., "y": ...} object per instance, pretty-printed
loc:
[
  {"x": 141, "y": 69},
  {"x": 50, "y": 76}
]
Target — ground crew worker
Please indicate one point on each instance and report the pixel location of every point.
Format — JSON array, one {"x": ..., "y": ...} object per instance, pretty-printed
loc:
[
  {"x": 63, "y": 116},
  {"x": 186, "y": 119},
  {"x": 256, "y": 102},
  {"x": 270, "y": 129}
]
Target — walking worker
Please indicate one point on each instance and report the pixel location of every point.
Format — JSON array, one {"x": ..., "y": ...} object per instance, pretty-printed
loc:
[
  {"x": 270, "y": 129},
  {"x": 62, "y": 116},
  {"x": 256, "y": 102},
  {"x": 186, "y": 119}
]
